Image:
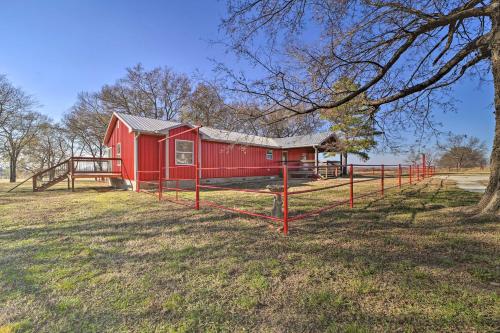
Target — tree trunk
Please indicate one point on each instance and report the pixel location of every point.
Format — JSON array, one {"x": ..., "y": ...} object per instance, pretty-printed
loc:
[
  {"x": 13, "y": 167},
  {"x": 344, "y": 164},
  {"x": 490, "y": 202}
]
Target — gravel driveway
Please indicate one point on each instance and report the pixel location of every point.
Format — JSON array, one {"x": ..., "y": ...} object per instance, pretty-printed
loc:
[{"x": 471, "y": 183}]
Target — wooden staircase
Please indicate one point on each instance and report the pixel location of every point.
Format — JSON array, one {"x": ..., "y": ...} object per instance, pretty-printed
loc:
[
  {"x": 72, "y": 168},
  {"x": 51, "y": 176}
]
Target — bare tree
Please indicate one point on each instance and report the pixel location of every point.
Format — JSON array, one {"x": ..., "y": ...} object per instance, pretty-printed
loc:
[
  {"x": 461, "y": 151},
  {"x": 206, "y": 106},
  {"x": 209, "y": 107},
  {"x": 86, "y": 123},
  {"x": 50, "y": 146},
  {"x": 275, "y": 124},
  {"x": 414, "y": 155},
  {"x": 17, "y": 132},
  {"x": 159, "y": 93},
  {"x": 403, "y": 54},
  {"x": 12, "y": 99}
]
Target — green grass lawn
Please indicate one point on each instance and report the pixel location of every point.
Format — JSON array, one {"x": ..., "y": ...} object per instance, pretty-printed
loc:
[{"x": 103, "y": 260}]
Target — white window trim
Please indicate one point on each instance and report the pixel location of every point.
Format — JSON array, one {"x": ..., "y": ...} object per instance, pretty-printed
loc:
[
  {"x": 267, "y": 154},
  {"x": 175, "y": 151},
  {"x": 119, "y": 153}
]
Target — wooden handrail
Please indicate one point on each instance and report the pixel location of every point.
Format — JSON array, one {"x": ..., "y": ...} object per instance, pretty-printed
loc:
[
  {"x": 52, "y": 167},
  {"x": 21, "y": 183},
  {"x": 71, "y": 168},
  {"x": 84, "y": 158}
]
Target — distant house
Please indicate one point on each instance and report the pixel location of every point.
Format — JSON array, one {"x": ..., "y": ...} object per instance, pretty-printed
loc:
[{"x": 140, "y": 142}]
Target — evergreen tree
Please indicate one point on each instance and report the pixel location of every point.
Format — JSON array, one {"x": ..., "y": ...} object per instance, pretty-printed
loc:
[{"x": 352, "y": 122}]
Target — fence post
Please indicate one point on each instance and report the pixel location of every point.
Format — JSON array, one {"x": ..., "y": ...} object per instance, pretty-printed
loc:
[
  {"x": 424, "y": 167},
  {"x": 382, "y": 179},
  {"x": 351, "y": 186},
  {"x": 285, "y": 199},
  {"x": 409, "y": 174},
  {"x": 196, "y": 170},
  {"x": 418, "y": 173},
  {"x": 399, "y": 175}
]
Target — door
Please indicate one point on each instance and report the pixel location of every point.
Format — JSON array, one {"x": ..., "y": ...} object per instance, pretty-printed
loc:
[{"x": 284, "y": 157}]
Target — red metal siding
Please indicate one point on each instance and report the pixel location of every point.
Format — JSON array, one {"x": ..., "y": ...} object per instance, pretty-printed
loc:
[
  {"x": 217, "y": 154},
  {"x": 213, "y": 155},
  {"x": 295, "y": 154},
  {"x": 148, "y": 156},
  {"x": 121, "y": 135}
]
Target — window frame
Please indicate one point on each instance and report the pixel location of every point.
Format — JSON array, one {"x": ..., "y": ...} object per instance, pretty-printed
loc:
[
  {"x": 184, "y": 152},
  {"x": 267, "y": 154},
  {"x": 118, "y": 153}
]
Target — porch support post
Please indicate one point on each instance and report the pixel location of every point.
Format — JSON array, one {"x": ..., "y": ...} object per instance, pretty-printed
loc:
[
  {"x": 199, "y": 154},
  {"x": 136, "y": 161},
  {"x": 196, "y": 171},
  {"x": 167, "y": 157},
  {"x": 316, "y": 161}
]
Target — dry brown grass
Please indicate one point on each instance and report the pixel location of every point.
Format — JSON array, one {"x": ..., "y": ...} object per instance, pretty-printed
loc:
[{"x": 100, "y": 260}]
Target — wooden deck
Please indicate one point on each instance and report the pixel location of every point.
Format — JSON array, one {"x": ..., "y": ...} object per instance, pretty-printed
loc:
[{"x": 73, "y": 168}]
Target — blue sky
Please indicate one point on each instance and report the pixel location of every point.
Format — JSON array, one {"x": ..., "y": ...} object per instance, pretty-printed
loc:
[{"x": 56, "y": 49}]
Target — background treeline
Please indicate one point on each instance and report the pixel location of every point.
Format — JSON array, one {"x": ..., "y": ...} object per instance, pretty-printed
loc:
[{"x": 31, "y": 141}]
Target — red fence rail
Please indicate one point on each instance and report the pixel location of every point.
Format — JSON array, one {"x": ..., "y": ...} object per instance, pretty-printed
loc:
[
  {"x": 402, "y": 174},
  {"x": 399, "y": 175}
]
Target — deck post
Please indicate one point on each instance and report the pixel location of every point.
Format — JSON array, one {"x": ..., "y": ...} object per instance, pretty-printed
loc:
[
  {"x": 399, "y": 175},
  {"x": 382, "y": 179},
  {"x": 72, "y": 173},
  {"x": 196, "y": 169},
  {"x": 285, "y": 199},
  {"x": 351, "y": 186},
  {"x": 316, "y": 163}
]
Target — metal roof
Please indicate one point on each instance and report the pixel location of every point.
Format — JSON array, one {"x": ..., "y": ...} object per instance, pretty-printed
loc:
[
  {"x": 143, "y": 124},
  {"x": 303, "y": 140},
  {"x": 148, "y": 125},
  {"x": 228, "y": 136}
]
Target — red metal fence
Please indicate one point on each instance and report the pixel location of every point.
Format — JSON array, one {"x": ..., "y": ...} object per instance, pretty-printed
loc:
[{"x": 388, "y": 177}]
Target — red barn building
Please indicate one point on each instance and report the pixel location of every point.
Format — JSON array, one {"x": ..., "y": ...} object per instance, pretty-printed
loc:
[{"x": 140, "y": 142}]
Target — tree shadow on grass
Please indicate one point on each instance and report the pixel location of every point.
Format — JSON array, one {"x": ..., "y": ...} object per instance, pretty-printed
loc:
[{"x": 118, "y": 262}]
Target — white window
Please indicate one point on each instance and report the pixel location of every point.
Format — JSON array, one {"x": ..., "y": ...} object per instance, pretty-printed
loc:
[
  {"x": 118, "y": 153},
  {"x": 184, "y": 152},
  {"x": 269, "y": 154}
]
